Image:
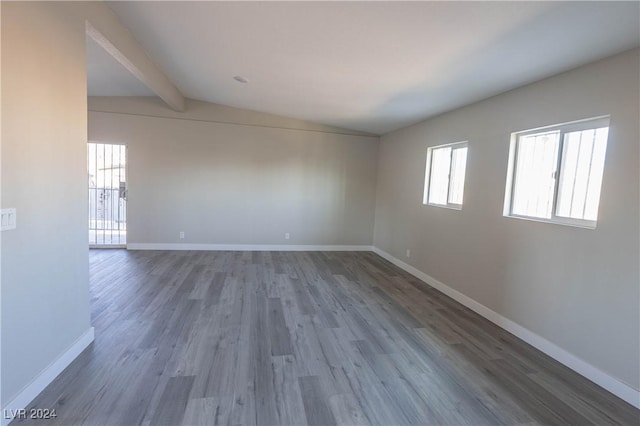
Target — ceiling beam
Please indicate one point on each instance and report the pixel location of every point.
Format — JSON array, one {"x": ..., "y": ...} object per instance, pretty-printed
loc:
[{"x": 104, "y": 26}]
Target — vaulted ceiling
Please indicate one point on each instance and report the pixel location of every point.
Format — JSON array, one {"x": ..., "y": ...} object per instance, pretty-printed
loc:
[{"x": 369, "y": 66}]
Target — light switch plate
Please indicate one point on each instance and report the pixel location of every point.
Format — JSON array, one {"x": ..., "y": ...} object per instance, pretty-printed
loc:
[{"x": 8, "y": 219}]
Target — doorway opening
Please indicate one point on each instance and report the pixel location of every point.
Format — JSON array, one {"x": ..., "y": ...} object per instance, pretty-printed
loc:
[{"x": 107, "y": 167}]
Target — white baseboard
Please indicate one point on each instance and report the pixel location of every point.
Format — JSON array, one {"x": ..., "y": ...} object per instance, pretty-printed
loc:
[
  {"x": 33, "y": 389},
  {"x": 245, "y": 247},
  {"x": 608, "y": 382}
]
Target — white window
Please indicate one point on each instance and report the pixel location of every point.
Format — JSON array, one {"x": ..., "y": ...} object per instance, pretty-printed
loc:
[
  {"x": 444, "y": 177},
  {"x": 555, "y": 173}
]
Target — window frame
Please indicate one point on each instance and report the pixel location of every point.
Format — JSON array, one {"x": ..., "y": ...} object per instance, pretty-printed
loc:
[
  {"x": 427, "y": 177},
  {"x": 563, "y": 128}
]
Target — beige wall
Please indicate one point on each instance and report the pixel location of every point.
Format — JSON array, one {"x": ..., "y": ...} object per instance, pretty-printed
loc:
[
  {"x": 226, "y": 183},
  {"x": 234, "y": 177},
  {"x": 45, "y": 300},
  {"x": 578, "y": 288}
]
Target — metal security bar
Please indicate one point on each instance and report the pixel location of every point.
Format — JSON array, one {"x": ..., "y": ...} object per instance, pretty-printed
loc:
[{"x": 107, "y": 165}]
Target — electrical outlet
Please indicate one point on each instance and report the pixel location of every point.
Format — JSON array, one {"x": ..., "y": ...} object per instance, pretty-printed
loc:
[
  {"x": 287, "y": 236},
  {"x": 8, "y": 219},
  {"x": 408, "y": 253},
  {"x": 182, "y": 235}
]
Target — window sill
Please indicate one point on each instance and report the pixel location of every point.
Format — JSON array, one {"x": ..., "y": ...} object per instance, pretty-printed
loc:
[
  {"x": 444, "y": 206},
  {"x": 585, "y": 225}
]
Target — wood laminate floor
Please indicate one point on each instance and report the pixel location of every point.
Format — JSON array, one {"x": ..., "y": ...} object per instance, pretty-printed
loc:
[{"x": 286, "y": 338}]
